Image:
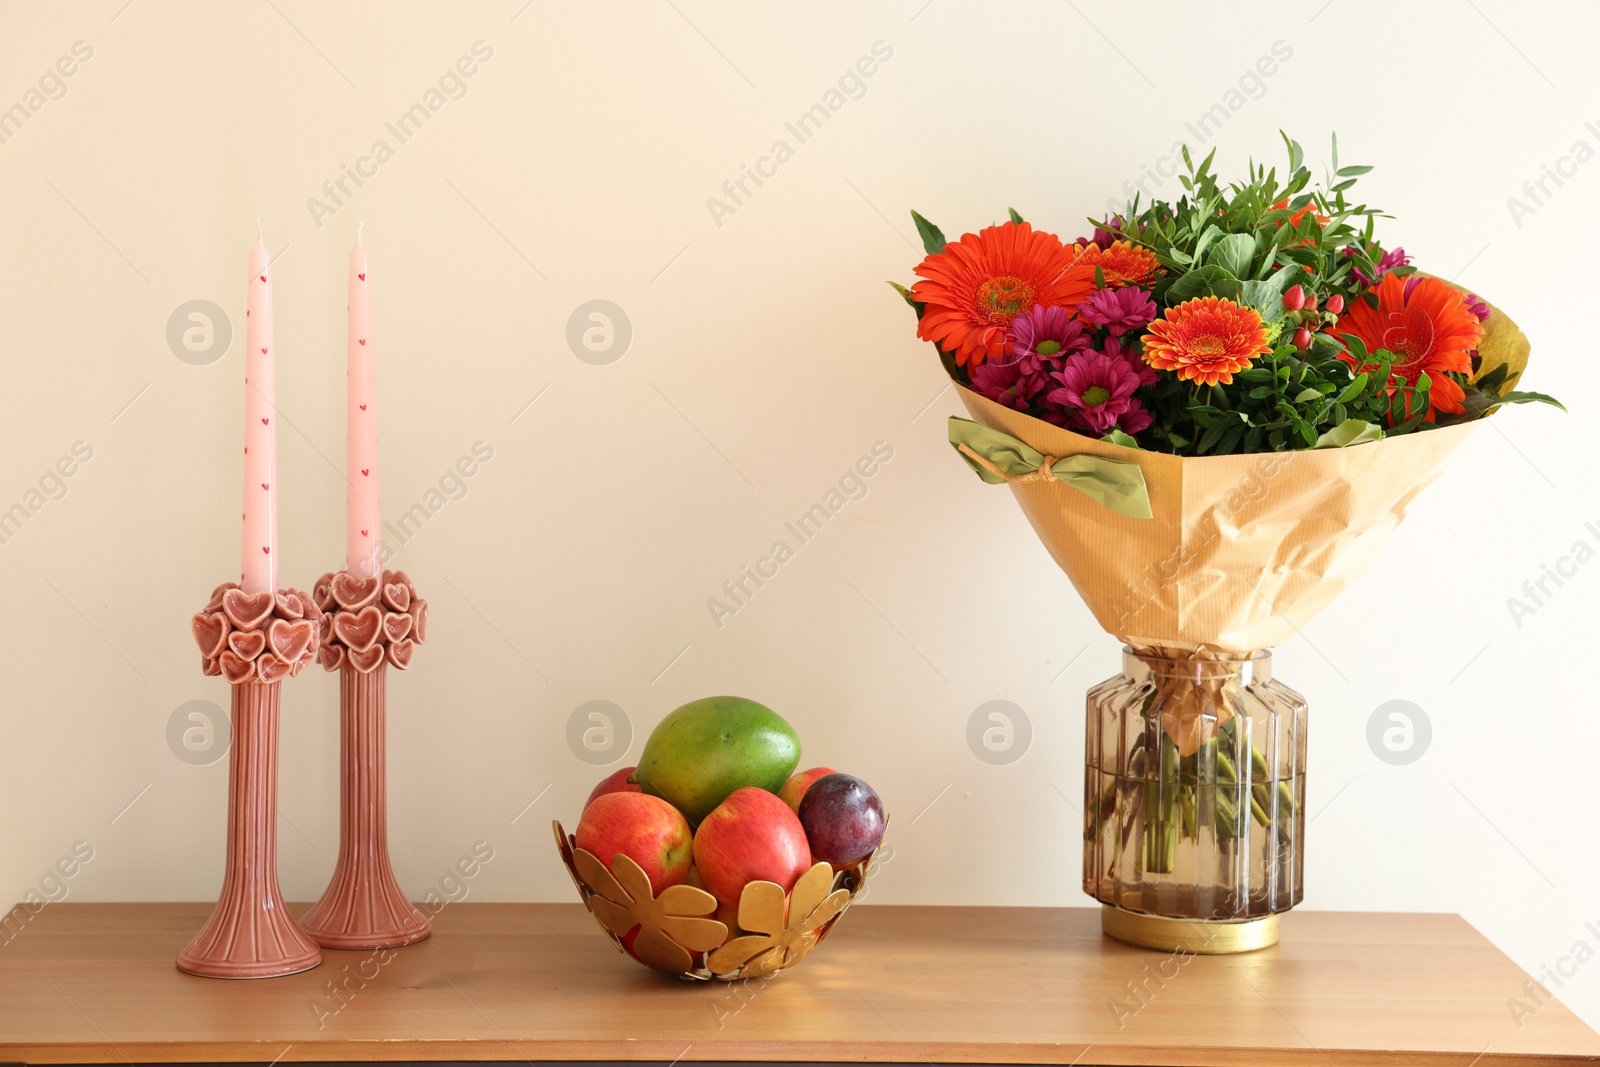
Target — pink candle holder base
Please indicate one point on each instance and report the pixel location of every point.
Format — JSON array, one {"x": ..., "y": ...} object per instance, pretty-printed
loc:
[
  {"x": 250, "y": 933},
  {"x": 375, "y": 622},
  {"x": 363, "y": 906}
]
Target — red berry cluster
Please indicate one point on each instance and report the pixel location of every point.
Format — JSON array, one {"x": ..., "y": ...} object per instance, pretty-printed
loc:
[{"x": 1301, "y": 307}]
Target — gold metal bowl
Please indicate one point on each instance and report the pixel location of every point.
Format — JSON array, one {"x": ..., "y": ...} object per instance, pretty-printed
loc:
[{"x": 675, "y": 931}]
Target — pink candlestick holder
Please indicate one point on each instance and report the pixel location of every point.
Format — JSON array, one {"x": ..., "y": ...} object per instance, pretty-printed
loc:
[
  {"x": 374, "y": 623},
  {"x": 254, "y": 641}
]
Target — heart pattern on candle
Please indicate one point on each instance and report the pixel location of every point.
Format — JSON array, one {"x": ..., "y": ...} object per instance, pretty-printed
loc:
[
  {"x": 365, "y": 471},
  {"x": 361, "y": 340},
  {"x": 363, "y": 407},
  {"x": 265, "y": 636},
  {"x": 247, "y": 611},
  {"x": 363, "y": 277},
  {"x": 247, "y": 644},
  {"x": 372, "y": 621},
  {"x": 359, "y": 630}
]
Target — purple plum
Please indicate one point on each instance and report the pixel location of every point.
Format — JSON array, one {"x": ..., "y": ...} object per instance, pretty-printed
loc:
[{"x": 843, "y": 819}]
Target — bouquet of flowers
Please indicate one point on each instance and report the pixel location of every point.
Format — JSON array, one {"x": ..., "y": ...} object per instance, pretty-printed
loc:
[{"x": 1213, "y": 412}]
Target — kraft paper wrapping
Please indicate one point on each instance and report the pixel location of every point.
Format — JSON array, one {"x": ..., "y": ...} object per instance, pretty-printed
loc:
[{"x": 1241, "y": 550}]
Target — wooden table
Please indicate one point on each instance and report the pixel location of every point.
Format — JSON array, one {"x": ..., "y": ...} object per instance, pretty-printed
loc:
[{"x": 538, "y": 982}]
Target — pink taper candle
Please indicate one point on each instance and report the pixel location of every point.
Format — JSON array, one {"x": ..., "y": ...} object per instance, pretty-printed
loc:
[
  {"x": 260, "y": 555},
  {"x": 362, "y": 520}
]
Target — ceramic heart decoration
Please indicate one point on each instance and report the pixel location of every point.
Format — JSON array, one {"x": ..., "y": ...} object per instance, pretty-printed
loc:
[
  {"x": 290, "y": 640},
  {"x": 272, "y": 669},
  {"x": 400, "y": 653},
  {"x": 247, "y": 644},
  {"x": 247, "y": 611},
  {"x": 397, "y": 597},
  {"x": 210, "y": 631},
  {"x": 352, "y": 593},
  {"x": 396, "y": 627},
  {"x": 367, "y": 660},
  {"x": 235, "y": 671},
  {"x": 359, "y": 631},
  {"x": 330, "y": 655}
]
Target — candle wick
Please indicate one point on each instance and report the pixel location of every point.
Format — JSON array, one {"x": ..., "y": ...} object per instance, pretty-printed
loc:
[
  {"x": 259, "y": 235},
  {"x": 359, "y": 226}
]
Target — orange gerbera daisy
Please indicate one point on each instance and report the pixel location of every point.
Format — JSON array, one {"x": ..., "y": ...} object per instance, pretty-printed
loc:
[
  {"x": 972, "y": 290},
  {"x": 1124, "y": 263},
  {"x": 1429, "y": 327},
  {"x": 1205, "y": 340}
]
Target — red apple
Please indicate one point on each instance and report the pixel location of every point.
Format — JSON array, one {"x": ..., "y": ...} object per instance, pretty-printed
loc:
[
  {"x": 646, "y": 829},
  {"x": 751, "y": 836},
  {"x": 614, "y": 783},
  {"x": 798, "y": 783}
]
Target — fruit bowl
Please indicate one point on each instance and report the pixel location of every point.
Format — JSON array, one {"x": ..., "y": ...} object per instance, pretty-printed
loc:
[{"x": 675, "y": 931}]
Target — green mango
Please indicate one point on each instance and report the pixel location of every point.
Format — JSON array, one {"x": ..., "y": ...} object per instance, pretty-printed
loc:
[{"x": 710, "y": 747}]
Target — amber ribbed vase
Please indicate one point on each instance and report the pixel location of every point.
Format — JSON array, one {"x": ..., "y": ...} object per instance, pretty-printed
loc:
[
  {"x": 1195, "y": 801},
  {"x": 250, "y": 934},
  {"x": 363, "y": 906}
]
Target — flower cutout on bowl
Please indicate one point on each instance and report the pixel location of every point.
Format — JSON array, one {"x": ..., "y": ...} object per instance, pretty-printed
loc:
[
  {"x": 782, "y": 931},
  {"x": 664, "y": 932}
]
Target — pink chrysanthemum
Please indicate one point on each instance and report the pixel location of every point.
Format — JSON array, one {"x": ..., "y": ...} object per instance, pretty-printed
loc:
[
  {"x": 1145, "y": 372},
  {"x": 1099, "y": 388},
  {"x": 1042, "y": 337},
  {"x": 1119, "y": 310},
  {"x": 1010, "y": 384}
]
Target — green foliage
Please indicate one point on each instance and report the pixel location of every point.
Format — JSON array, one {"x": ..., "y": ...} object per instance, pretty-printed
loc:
[{"x": 933, "y": 241}]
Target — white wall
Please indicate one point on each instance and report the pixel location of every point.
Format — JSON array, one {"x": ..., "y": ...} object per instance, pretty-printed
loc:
[{"x": 767, "y": 355}]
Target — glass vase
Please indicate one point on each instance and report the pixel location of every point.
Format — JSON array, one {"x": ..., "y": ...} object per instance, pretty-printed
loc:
[{"x": 1194, "y": 801}]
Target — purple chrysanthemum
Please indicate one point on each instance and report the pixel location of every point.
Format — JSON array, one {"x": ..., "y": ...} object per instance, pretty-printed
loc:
[
  {"x": 1143, "y": 371},
  {"x": 1010, "y": 384},
  {"x": 1478, "y": 306},
  {"x": 1042, "y": 337},
  {"x": 1100, "y": 390},
  {"x": 1119, "y": 310},
  {"x": 1386, "y": 263}
]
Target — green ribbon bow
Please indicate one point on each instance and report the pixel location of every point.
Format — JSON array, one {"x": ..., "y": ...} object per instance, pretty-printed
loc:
[{"x": 1000, "y": 458}]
